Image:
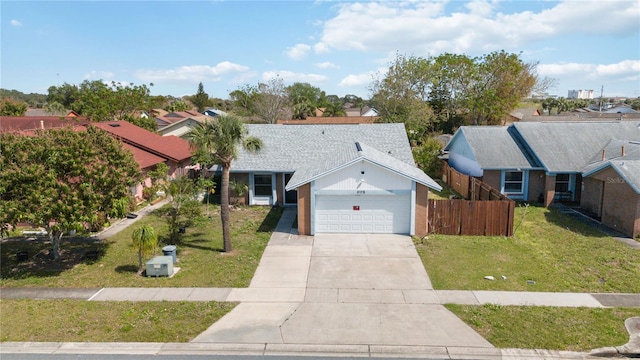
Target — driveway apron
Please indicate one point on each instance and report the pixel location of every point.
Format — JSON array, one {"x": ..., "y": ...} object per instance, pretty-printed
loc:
[{"x": 342, "y": 289}]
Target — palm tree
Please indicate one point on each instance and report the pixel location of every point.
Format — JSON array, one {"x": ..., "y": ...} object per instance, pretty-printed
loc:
[
  {"x": 145, "y": 240},
  {"x": 216, "y": 142}
]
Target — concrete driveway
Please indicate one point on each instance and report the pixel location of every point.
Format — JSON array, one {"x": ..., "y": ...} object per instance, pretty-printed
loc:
[{"x": 342, "y": 290}]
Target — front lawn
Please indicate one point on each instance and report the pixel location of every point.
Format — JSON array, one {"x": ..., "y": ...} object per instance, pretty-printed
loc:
[
  {"x": 549, "y": 252},
  {"x": 536, "y": 327},
  {"x": 200, "y": 258},
  {"x": 88, "y": 321}
]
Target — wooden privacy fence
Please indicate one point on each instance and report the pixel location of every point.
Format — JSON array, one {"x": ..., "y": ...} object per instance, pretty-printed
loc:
[
  {"x": 471, "y": 217},
  {"x": 469, "y": 187},
  {"x": 485, "y": 212}
]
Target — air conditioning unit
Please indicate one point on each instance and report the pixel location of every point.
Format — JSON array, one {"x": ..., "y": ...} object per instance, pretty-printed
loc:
[{"x": 160, "y": 266}]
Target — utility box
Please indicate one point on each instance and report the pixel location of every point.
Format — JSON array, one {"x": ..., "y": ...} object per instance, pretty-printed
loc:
[{"x": 160, "y": 266}]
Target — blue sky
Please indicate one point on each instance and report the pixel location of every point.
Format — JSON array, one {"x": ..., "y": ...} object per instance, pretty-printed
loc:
[{"x": 337, "y": 46}]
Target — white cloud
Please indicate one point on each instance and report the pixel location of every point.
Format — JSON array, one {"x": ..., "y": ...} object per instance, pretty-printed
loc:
[
  {"x": 615, "y": 78},
  {"x": 291, "y": 77},
  {"x": 98, "y": 75},
  {"x": 298, "y": 51},
  {"x": 192, "y": 72},
  {"x": 624, "y": 69},
  {"x": 327, "y": 65},
  {"x": 363, "y": 78},
  {"x": 16, "y": 22},
  {"x": 422, "y": 27}
]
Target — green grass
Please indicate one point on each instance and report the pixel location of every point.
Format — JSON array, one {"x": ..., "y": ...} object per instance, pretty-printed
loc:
[
  {"x": 571, "y": 329},
  {"x": 555, "y": 251},
  {"x": 87, "y": 321},
  {"x": 200, "y": 258},
  {"x": 446, "y": 192}
]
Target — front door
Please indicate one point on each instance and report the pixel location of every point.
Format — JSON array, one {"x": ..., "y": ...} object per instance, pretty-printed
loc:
[{"x": 290, "y": 197}]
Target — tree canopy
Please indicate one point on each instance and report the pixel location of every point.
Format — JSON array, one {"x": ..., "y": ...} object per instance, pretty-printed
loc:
[
  {"x": 64, "y": 179},
  {"x": 100, "y": 101},
  {"x": 10, "y": 107},
  {"x": 440, "y": 93}
]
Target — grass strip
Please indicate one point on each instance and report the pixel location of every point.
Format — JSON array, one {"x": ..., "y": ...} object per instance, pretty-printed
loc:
[
  {"x": 552, "y": 328},
  {"x": 88, "y": 321}
]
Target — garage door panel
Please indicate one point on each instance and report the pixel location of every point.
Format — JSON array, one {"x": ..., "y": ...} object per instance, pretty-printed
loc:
[{"x": 376, "y": 214}]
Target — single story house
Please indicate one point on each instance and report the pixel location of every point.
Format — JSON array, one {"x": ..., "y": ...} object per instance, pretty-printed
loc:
[
  {"x": 150, "y": 149},
  {"x": 343, "y": 179},
  {"x": 181, "y": 127},
  {"x": 558, "y": 161}
]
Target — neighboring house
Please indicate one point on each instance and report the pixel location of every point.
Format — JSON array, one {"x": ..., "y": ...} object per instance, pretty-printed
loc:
[
  {"x": 43, "y": 112},
  {"x": 365, "y": 111},
  {"x": 150, "y": 148},
  {"x": 519, "y": 114},
  {"x": 347, "y": 179},
  {"x": 173, "y": 117},
  {"x": 29, "y": 123},
  {"x": 330, "y": 120},
  {"x": 213, "y": 112},
  {"x": 621, "y": 109},
  {"x": 182, "y": 127},
  {"x": 558, "y": 161}
]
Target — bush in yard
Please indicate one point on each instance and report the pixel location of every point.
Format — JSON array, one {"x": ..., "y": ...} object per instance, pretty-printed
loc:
[{"x": 426, "y": 156}]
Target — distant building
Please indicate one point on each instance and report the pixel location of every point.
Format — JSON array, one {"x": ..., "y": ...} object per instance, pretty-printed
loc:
[{"x": 580, "y": 94}]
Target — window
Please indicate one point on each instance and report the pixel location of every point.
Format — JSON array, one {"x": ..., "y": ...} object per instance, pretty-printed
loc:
[
  {"x": 262, "y": 185},
  {"x": 513, "y": 181},
  {"x": 563, "y": 183}
]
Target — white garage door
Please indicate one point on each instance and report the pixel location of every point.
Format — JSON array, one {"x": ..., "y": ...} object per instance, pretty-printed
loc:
[{"x": 389, "y": 214}]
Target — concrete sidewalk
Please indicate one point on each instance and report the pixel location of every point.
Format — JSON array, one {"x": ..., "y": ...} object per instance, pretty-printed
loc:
[{"x": 441, "y": 297}]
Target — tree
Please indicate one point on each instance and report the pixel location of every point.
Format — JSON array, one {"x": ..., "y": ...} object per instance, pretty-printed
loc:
[
  {"x": 200, "y": 99},
  {"x": 55, "y": 108},
  {"x": 9, "y": 107},
  {"x": 271, "y": 101},
  {"x": 401, "y": 96},
  {"x": 305, "y": 99},
  {"x": 501, "y": 81},
  {"x": 217, "y": 142},
  {"x": 145, "y": 241},
  {"x": 148, "y": 123},
  {"x": 62, "y": 179},
  {"x": 65, "y": 94},
  {"x": 105, "y": 102},
  {"x": 184, "y": 208},
  {"x": 178, "y": 105},
  {"x": 243, "y": 100}
]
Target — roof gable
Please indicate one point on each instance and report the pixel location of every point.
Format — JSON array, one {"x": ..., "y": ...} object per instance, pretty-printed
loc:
[
  {"x": 623, "y": 157},
  {"x": 350, "y": 154},
  {"x": 494, "y": 147},
  {"x": 169, "y": 147}
]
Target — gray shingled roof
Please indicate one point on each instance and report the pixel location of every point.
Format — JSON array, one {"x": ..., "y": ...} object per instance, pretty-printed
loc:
[
  {"x": 291, "y": 147},
  {"x": 495, "y": 147},
  {"x": 347, "y": 154},
  {"x": 628, "y": 166},
  {"x": 569, "y": 146}
]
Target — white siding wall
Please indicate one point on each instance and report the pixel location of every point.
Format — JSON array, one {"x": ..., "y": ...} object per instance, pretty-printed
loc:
[{"x": 375, "y": 178}]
